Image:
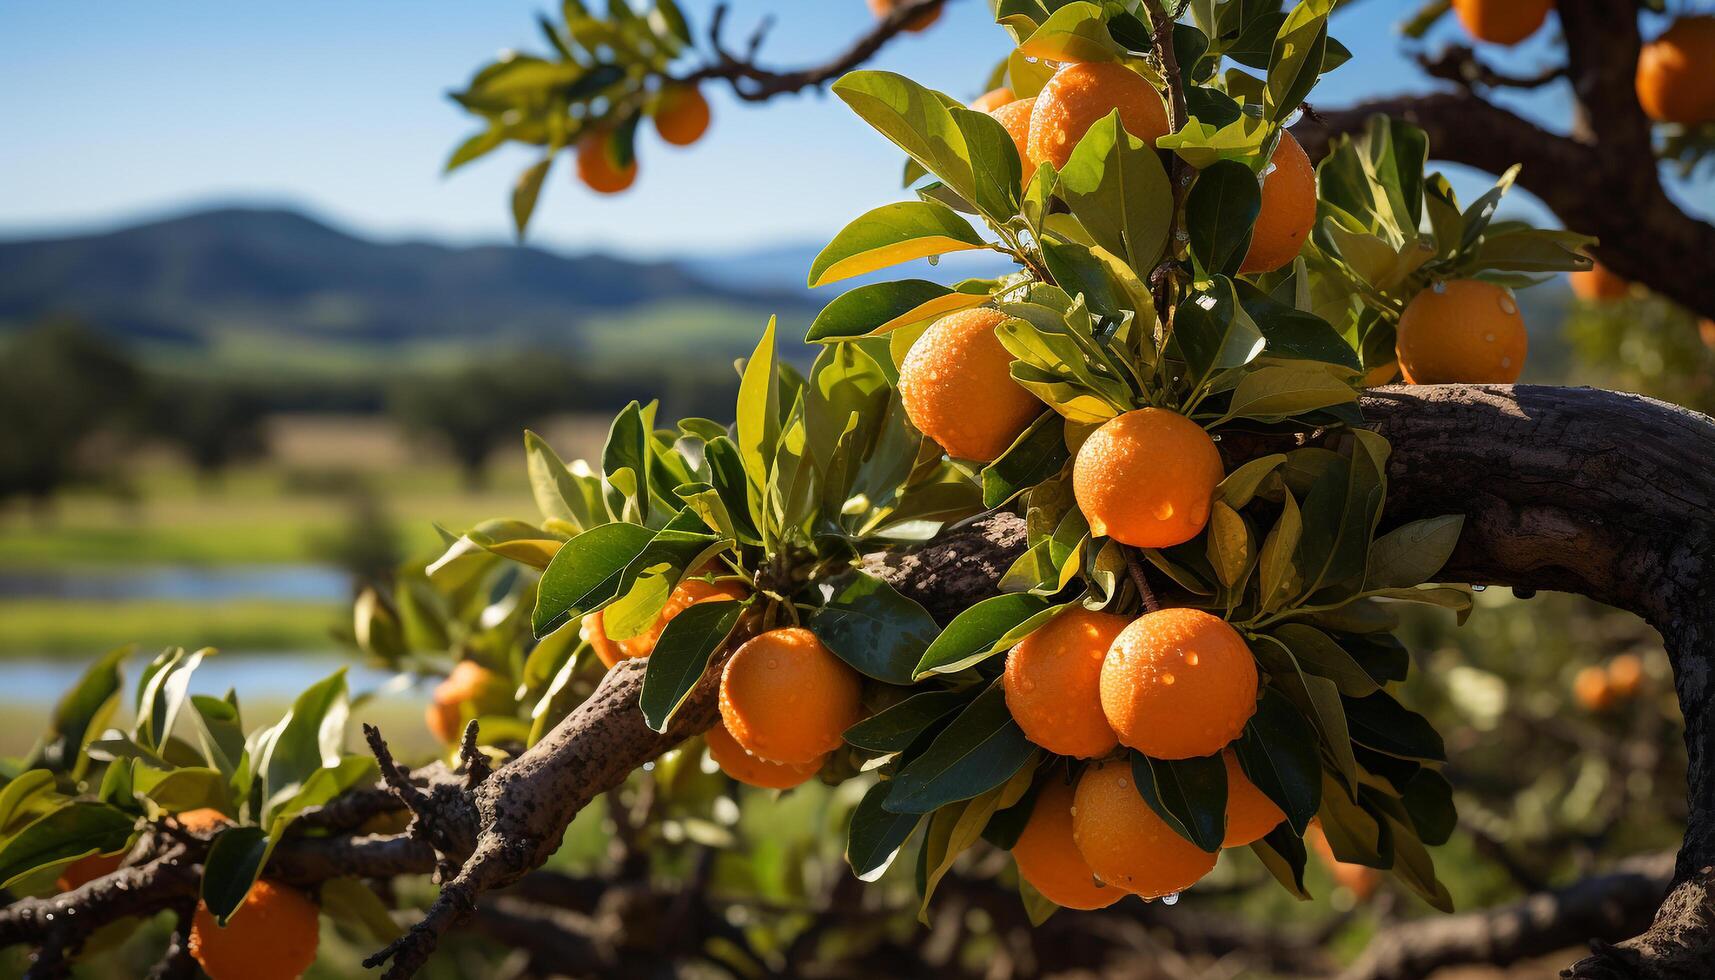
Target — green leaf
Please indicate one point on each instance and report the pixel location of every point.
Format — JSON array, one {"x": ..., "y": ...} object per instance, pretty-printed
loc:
[
  {"x": 25, "y": 798},
  {"x": 1382, "y": 723},
  {"x": 1276, "y": 564},
  {"x": 81, "y": 713},
  {"x": 185, "y": 788},
  {"x": 1278, "y": 753},
  {"x": 648, "y": 579},
  {"x": 1292, "y": 334},
  {"x": 1297, "y": 58},
  {"x": 1231, "y": 546},
  {"x": 979, "y": 632},
  {"x": 894, "y": 729},
  {"x": 1189, "y": 794},
  {"x": 1428, "y": 798},
  {"x": 1282, "y": 852},
  {"x": 1272, "y": 393},
  {"x": 586, "y": 573},
  {"x": 758, "y": 424},
  {"x": 558, "y": 494},
  {"x": 59, "y": 837},
  {"x": 891, "y": 234},
  {"x": 527, "y": 190},
  {"x": 875, "y": 836},
  {"x": 1115, "y": 185},
  {"x": 234, "y": 861},
  {"x": 1318, "y": 653},
  {"x": 881, "y": 307},
  {"x": 308, "y": 739},
  {"x": 1073, "y": 32},
  {"x": 1214, "y": 334},
  {"x": 1412, "y": 553},
  {"x": 680, "y": 656},
  {"x": 1341, "y": 512},
  {"x": 1038, "y": 453},
  {"x": 1219, "y": 214},
  {"x": 1240, "y": 486},
  {"x": 1413, "y": 865},
  {"x": 879, "y": 632},
  {"x": 981, "y": 749}
]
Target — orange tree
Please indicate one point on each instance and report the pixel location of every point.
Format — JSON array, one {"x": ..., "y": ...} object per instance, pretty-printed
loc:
[{"x": 1097, "y": 560}]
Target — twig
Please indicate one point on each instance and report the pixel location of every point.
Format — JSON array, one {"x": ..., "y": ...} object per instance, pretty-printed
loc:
[
  {"x": 1140, "y": 578},
  {"x": 1460, "y": 65},
  {"x": 754, "y": 83}
]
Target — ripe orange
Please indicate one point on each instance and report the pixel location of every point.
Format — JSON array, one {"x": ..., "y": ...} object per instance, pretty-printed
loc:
[
  {"x": 1591, "y": 690},
  {"x": 686, "y": 594},
  {"x": 1048, "y": 858},
  {"x": 1355, "y": 878},
  {"x": 202, "y": 820},
  {"x": 596, "y": 167},
  {"x": 1080, "y": 95},
  {"x": 1250, "y": 813},
  {"x": 1706, "y": 332},
  {"x": 1675, "y": 82},
  {"x": 682, "y": 115},
  {"x": 272, "y": 936},
  {"x": 1125, "y": 843},
  {"x": 1381, "y": 374},
  {"x": 1015, "y": 116},
  {"x": 1178, "y": 684},
  {"x": 1053, "y": 683},
  {"x": 993, "y": 99},
  {"x": 1288, "y": 209},
  {"x": 1463, "y": 332},
  {"x": 469, "y": 682},
  {"x": 1597, "y": 283},
  {"x": 786, "y": 698},
  {"x": 1146, "y": 478},
  {"x": 1502, "y": 21},
  {"x": 748, "y": 769},
  {"x": 1625, "y": 676},
  {"x": 86, "y": 869},
  {"x": 958, "y": 390},
  {"x": 921, "y": 22}
]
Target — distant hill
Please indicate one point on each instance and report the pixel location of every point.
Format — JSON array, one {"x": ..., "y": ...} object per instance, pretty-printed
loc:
[{"x": 217, "y": 283}]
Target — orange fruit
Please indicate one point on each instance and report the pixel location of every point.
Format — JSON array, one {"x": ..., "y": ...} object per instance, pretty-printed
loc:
[
  {"x": 1015, "y": 116},
  {"x": 596, "y": 166},
  {"x": 272, "y": 936},
  {"x": 1464, "y": 332},
  {"x": 471, "y": 683},
  {"x": 1381, "y": 374},
  {"x": 957, "y": 387},
  {"x": 1178, "y": 684},
  {"x": 993, "y": 99},
  {"x": 1675, "y": 82},
  {"x": 681, "y": 115},
  {"x": 1502, "y": 21},
  {"x": 786, "y": 698},
  {"x": 1591, "y": 690},
  {"x": 1706, "y": 332},
  {"x": 1048, "y": 858},
  {"x": 1146, "y": 478},
  {"x": 1080, "y": 95},
  {"x": 1125, "y": 843},
  {"x": 1053, "y": 683},
  {"x": 1288, "y": 209},
  {"x": 1625, "y": 676},
  {"x": 748, "y": 769},
  {"x": 686, "y": 594},
  {"x": 1250, "y": 813},
  {"x": 202, "y": 820},
  {"x": 921, "y": 22},
  {"x": 1597, "y": 283},
  {"x": 86, "y": 869},
  {"x": 1355, "y": 878}
]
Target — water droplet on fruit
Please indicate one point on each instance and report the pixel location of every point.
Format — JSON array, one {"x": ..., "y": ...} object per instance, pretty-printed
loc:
[
  {"x": 1167, "y": 679},
  {"x": 1506, "y": 362},
  {"x": 1163, "y": 510},
  {"x": 1123, "y": 782},
  {"x": 773, "y": 663},
  {"x": 1488, "y": 338},
  {"x": 1170, "y": 899},
  {"x": 1027, "y": 685},
  {"x": 1509, "y": 306},
  {"x": 1191, "y": 660},
  {"x": 1439, "y": 287}
]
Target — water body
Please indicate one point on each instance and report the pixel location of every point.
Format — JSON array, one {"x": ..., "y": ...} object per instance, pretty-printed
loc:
[
  {"x": 255, "y": 676},
  {"x": 180, "y": 583}
]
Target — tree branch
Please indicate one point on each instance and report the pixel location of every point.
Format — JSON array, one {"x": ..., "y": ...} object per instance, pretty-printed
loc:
[
  {"x": 754, "y": 83},
  {"x": 1602, "y": 178}
]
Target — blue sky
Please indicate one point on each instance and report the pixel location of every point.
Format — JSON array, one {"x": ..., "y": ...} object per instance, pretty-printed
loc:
[{"x": 113, "y": 111}]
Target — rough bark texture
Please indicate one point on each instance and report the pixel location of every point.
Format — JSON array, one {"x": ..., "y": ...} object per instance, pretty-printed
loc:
[{"x": 1600, "y": 177}]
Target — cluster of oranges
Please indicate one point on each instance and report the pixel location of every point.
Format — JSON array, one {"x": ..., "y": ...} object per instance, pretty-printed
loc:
[
  {"x": 1047, "y": 128},
  {"x": 1172, "y": 684},
  {"x": 1674, "y": 84},
  {"x": 273, "y": 935},
  {"x": 1598, "y": 688},
  {"x": 681, "y": 117}
]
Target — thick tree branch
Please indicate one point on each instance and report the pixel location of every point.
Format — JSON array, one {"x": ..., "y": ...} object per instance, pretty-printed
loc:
[{"x": 1600, "y": 179}]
